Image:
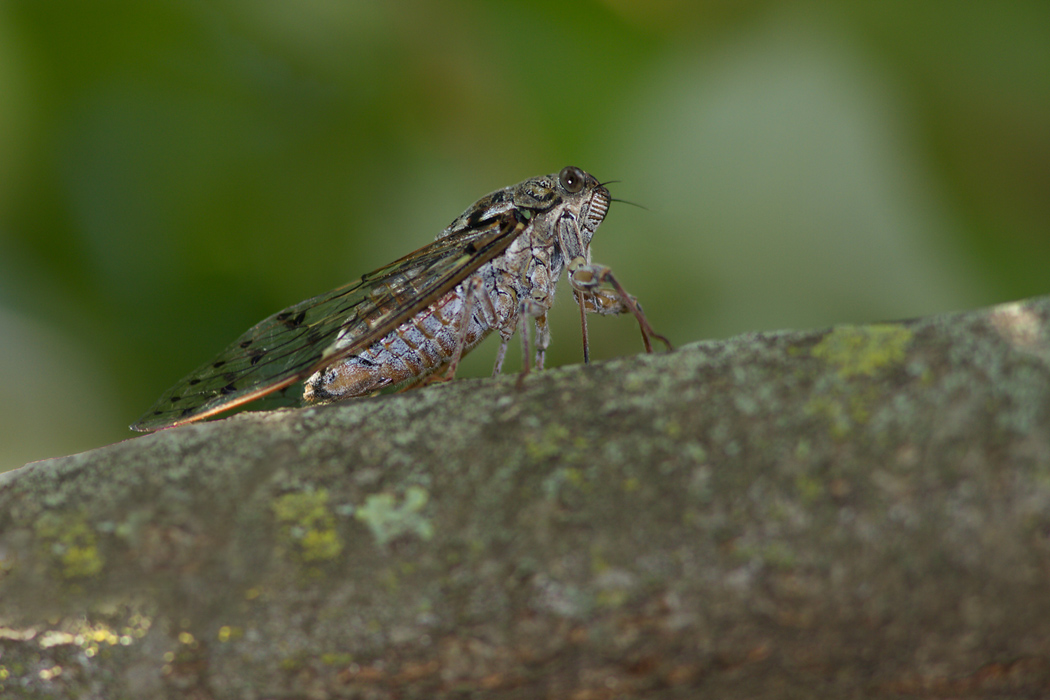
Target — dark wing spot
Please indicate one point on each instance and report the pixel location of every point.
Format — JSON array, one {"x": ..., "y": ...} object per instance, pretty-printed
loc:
[
  {"x": 193, "y": 382},
  {"x": 247, "y": 342},
  {"x": 471, "y": 248},
  {"x": 219, "y": 364},
  {"x": 228, "y": 389},
  {"x": 185, "y": 412},
  {"x": 287, "y": 319},
  {"x": 176, "y": 399},
  {"x": 256, "y": 356}
]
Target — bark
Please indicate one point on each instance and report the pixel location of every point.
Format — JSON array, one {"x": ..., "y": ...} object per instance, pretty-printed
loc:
[{"x": 857, "y": 511}]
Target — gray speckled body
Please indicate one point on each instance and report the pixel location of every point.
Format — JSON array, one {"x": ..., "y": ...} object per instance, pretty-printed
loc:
[
  {"x": 492, "y": 269},
  {"x": 563, "y": 211}
]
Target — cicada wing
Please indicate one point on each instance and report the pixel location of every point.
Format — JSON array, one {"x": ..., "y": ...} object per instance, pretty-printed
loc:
[{"x": 294, "y": 343}]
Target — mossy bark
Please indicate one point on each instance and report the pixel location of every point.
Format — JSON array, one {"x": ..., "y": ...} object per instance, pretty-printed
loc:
[{"x": 860, "y": 511}]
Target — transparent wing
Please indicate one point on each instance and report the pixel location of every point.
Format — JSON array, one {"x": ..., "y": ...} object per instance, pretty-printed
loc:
[{"x": 302, "y": 339}]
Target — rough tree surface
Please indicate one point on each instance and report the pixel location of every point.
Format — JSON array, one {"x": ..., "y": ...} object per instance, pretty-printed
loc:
[{"x": 862, "y": 511}]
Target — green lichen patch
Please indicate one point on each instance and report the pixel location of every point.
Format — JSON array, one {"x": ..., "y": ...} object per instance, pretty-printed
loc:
[
  {"x": 70, "y": 544},
  {"x": 555, "y": 483},
  {"x": 337, "y": 658},
  {"x": 229, "y": 633},
  {"x": 387, "y": 519},
  {"x": 832, "y": 409},
  {"x": 856, "y": 353},
  {"x": 550, "y": 443},
  {"x": 809, "y": 488},
  {"x": 861, "y": 351},
  {"x": 308, "y": 526}
]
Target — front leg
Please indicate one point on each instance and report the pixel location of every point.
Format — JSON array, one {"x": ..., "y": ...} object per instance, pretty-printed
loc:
[
  {"x": 586, "y": 279},
  {"x": 606, "y": 302}
]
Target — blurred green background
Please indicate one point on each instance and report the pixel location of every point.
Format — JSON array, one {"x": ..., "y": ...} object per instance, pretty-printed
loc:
[{"x": 173, "y": 171}]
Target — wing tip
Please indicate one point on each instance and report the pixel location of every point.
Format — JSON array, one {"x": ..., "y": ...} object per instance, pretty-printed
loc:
[{"x": 149, "y": 424}]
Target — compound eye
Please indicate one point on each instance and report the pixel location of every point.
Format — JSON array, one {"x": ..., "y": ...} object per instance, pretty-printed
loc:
[{"x": 571, "y": 179}]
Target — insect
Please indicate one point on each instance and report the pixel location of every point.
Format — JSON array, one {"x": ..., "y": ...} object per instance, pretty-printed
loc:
[{"x": 492, "y": 269}]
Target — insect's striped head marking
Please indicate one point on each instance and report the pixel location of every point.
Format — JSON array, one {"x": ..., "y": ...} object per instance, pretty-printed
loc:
[
  {"x": 595, "y": 204},
  {"x": 572, "y": 190},
  {"x": 572, "y": 187}
]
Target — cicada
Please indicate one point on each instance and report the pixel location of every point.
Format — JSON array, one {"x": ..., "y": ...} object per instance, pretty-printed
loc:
[{"x": 494, "y": 268}]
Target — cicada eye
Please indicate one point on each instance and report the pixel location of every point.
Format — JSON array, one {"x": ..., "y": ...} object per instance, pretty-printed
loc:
[{"x": 571, "y": 179}]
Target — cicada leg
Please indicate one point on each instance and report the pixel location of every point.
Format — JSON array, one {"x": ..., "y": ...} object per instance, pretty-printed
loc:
[{"x": 586, "y": 280}]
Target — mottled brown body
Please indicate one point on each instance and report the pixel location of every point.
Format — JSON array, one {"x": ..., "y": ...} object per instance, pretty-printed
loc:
[{"x": 492, "y": 269}]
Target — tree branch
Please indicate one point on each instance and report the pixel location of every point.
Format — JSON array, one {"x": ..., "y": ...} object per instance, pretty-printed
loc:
[{"x": 857, "y": 511}]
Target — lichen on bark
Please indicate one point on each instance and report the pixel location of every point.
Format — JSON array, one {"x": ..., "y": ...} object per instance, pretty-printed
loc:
[{"x": 859, "y": 510}]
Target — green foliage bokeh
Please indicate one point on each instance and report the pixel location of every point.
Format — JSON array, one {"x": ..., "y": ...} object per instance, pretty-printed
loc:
[{"x": 171, "y": 172}]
